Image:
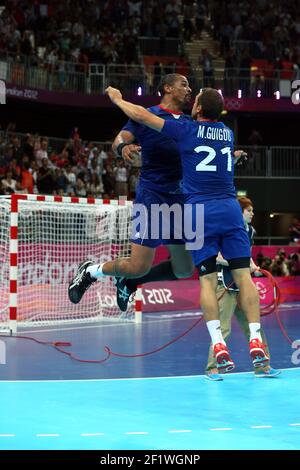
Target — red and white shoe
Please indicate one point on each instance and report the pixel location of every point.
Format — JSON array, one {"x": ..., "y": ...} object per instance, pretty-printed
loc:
[
  {"x": 223, "y": 359},
  {"x": 258, "y": 353}
]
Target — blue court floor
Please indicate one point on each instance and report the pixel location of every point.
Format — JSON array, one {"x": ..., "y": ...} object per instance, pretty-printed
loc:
[{"x": 161, "y": 401}]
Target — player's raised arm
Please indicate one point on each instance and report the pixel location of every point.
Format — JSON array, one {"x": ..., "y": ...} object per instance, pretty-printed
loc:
[{"x": 135, "y": 112}]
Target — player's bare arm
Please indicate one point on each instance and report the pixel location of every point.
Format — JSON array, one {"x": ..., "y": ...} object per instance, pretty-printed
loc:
[{"x": 135, "y": 112}]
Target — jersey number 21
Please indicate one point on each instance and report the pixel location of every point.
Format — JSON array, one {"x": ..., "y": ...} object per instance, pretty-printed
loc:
[{"x": 211, "y": 153}]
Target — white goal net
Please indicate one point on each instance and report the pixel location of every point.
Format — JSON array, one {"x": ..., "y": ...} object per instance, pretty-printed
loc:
[{"x": 53, "y": 239}]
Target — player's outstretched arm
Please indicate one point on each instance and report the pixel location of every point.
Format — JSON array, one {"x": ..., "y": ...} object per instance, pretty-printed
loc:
[{"x": 133, "y": 111}]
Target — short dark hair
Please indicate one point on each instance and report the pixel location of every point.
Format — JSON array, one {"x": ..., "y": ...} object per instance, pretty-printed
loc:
[
  {"x": 169, "y": 79},
  {"x": 211, "y": 102}
]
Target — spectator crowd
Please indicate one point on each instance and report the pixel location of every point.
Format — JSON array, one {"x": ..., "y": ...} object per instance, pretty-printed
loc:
[
  {"x": 32, "y": 164},
  {"x": 91, "y": 31},
  {"x": 260, "y": 29},
  {"x": 282, "y": 264},
  {"x": 58, "y": 33}
]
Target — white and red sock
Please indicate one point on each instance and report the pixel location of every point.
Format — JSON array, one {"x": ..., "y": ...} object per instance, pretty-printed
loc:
[
  {"x": 255, "y": 331},
  {"x": 214, "y": 328}
]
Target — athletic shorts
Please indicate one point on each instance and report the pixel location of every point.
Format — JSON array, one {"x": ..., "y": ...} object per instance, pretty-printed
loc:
[
  {"x": 153, "y": 224},
  {"x": 223, "y": 231}
]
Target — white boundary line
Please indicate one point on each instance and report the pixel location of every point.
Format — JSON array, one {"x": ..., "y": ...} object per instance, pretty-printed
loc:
[
  {"x": 173, "y": 431},
  {"x": 221, "y": 429},
  {"x": 136, "y": 432},
  {"x": 261, "y": 427}
]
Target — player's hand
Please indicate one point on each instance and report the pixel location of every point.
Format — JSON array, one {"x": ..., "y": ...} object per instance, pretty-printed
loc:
[
  {"x": 254, "y": 268},
  {"x": 240, "y": 157},
  {"x": 114, "y": 94},
  {"x": 130, "y": 152}
]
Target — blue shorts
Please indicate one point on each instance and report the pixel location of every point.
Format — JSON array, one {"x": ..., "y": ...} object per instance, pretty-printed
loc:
[
  {"x": 151, "y": 228},
  {"x": 224, "y": 231}
]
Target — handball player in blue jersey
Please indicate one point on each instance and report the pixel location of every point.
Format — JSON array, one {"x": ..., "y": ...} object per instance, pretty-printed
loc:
[
  {"x": 159, "y": 183},
  {"x": 206, "y": 149}
]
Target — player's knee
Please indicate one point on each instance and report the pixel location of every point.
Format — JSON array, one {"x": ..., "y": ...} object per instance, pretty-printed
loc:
[
  {"x": 182, "y": 263},
  {"x": 209, "y": 281},
  {"x": 242, "y": 279},
  {"x": 210, "y": 278},
  {"x": 248, "y": 289}
]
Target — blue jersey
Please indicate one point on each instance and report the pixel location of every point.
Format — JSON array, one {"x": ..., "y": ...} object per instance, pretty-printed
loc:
[
  {"x": 161, "y": 165},
  {"x": 206, "y": 149}
]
